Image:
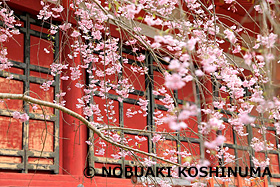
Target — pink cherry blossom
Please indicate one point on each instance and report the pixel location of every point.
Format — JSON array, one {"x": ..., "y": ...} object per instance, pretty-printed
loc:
[
  {"x": 191, "y": 43},
  {"x": 230, "y": 35},
  {"x": 59, "y": 9},
  {"x": 3, "y": 37},
  {"x": 229, "y": 1},
  {"x": 141, "y": 57},
  {"x": 140, "y": 139},
  {"x": 174, "y": 65},
  {"x": 156, "y": 138},
  {"x": 188, "y": 56},
  {"x": 258, "y": 9},
  {"x": 174, "y": 81},
  {"x": 267, "y": 41},
  {"x": 177, "y": 126},
  {"x": 65, "y": 26},
  {"x": 217, "y": 142},
  {"x": 100, "y": 152},
  {"x": 148, "y": 162},
  {"x": 199, "y": 73},
  {"x": 16, "y": 115},
  {"x": 246, "y": 119},
  {"x": 75, "y": 34},
  {"x": 237, "y": 49},
  {"x": 116, "y": 138},
  {"x": 277, "y": 126},
  {"x": 261, "y": 164},
  {"x": 22, "y": 117},
  {"x": 88, "y": 142}
]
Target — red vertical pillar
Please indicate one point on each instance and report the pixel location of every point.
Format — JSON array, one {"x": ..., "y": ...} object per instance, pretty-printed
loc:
[
  {"x": 265, "y": 181},
  {"x": 211, "y": 182},
  {"x": 74, "y": 132},
  {"x": 239, "y": 181}
]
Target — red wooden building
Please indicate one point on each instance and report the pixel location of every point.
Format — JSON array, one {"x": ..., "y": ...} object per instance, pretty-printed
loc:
[{"x": 52, "y": 151}]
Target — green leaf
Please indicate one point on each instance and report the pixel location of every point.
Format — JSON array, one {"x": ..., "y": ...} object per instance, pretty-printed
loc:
[
  {"x": 167, "y": 30},
  {"x": 244, "y": 49},
  {"x": 117, "y": 5}
]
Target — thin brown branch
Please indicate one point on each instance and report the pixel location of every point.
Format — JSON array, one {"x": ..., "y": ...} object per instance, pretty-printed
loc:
[{"x": 82, "y": 119}]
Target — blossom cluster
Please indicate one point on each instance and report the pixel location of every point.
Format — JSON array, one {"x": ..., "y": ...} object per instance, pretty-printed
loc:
[
  {"x": 187, "y": 53},
  {"x": 7, "y": 30},
  {"x": 194, "y": 53}
]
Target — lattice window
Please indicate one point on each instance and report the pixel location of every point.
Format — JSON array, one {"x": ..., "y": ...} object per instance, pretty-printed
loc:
[
  {"x": 144, "y": 86},
  {"x": 32, "y": 145},
  {"x": 239, "y": 145}
]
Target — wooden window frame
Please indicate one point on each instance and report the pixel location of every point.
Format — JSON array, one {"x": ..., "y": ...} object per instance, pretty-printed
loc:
[{"x": 25, "y": 153}]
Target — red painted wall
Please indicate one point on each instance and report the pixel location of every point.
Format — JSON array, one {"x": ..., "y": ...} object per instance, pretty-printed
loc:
[{"x": 72, "y": 153}]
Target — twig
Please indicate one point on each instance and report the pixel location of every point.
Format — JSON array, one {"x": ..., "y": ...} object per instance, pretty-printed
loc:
[{"x": 82, "y": 119}]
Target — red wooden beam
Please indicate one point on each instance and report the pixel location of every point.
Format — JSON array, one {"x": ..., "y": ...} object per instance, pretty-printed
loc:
[{"x": 74, "y": 132}]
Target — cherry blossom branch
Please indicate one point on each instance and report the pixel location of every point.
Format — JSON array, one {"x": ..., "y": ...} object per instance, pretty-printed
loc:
[
  {"x": 82, "y": 119},
  {"x": 117, "y": 22},
  {"x": 135, "y": 130}
]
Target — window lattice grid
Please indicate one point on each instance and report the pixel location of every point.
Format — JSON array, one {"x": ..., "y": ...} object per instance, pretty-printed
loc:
[
  {"x": 184, "y": 140},
  {"x": 239, "y": 146},
  {"x": 30, "y": 71}
]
